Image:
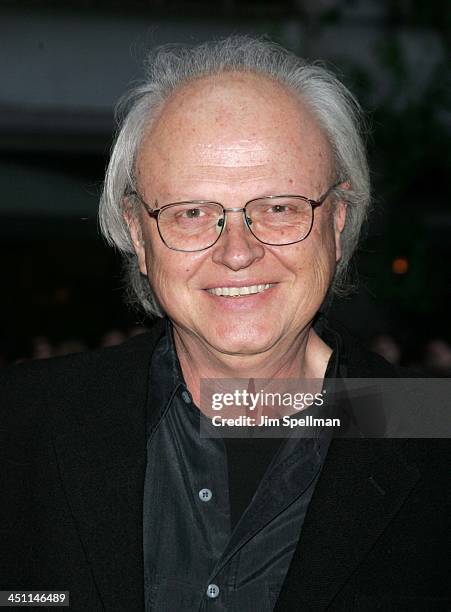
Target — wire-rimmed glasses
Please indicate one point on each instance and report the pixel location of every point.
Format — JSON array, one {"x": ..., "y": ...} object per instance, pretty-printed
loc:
[{"x": 196, "y": 225}]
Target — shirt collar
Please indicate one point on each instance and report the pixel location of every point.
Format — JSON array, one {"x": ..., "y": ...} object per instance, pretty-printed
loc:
[{"x": 166, "y": 376}]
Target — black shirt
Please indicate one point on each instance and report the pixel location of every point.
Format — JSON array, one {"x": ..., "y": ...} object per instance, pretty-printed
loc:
[{"x": 222, "y": 517}]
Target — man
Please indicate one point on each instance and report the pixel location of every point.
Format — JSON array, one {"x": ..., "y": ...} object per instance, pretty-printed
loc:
[{"x": 236, "y": 190}]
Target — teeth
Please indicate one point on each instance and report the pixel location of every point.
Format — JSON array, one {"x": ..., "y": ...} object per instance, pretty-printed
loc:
[{"x": 239, "y": 291}]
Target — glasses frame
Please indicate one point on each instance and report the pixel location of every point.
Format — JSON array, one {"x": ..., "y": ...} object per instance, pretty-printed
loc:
[{"x": 155, "y": 213}]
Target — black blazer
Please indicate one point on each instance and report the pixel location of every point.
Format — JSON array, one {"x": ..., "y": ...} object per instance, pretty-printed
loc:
[{"x": 72, "y": 461}]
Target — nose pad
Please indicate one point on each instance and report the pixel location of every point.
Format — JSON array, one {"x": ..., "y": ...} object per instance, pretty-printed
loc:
[
  {"x": 238, "y": 249},
  {"x": 220, "y": 225}
]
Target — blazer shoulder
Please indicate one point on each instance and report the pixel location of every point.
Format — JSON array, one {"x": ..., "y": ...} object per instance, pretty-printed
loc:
[
  {"x": 360, "y": 361},
  {"x": 43, "y": 371},
  {"x": 86, "y": 380}
]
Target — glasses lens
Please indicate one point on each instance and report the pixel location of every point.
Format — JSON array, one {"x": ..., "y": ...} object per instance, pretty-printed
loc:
[
  {"x": 190, "y": 226},
  {"x": 280, "y": 220}
]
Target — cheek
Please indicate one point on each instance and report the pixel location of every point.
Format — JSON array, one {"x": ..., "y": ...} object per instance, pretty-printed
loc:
[
  {"x": 326, "y": 247},
  {"x": 169, "y": 273},
  {"x": 315, "y": 263},
  {"x": 157, "y": 278},
  {"x": 158, "y": 271}
]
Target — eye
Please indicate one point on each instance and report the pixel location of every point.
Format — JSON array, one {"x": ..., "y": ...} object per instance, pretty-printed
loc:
[
  {"x": 280, "y": 208},
  {"x": 192, "y": 213}
]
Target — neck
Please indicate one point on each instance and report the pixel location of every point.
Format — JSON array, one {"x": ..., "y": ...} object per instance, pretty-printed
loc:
[{"x": 304, "y": 356}]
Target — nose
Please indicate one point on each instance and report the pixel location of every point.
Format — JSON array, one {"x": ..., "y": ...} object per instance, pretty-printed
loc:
[{"x": 237, "y": 248}]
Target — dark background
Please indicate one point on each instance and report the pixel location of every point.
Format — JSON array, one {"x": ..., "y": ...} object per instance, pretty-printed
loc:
[{"x": 64, "y": 66}]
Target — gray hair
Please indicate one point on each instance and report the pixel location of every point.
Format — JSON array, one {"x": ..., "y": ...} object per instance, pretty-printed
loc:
[{"x": 171, "y": 66}]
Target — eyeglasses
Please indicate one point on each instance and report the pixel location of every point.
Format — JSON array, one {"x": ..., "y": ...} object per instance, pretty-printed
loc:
[{"x": 196, "y": 225}]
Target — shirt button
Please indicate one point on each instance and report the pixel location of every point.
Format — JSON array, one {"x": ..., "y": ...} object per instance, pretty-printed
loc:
[
  {"x": 186, "y": 397},
  {"x": 205, "y": 495},
  {"x": 212, "y": 591}
]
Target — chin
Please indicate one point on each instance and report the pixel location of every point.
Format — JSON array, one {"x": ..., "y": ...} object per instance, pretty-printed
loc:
[{"x": 242, "y": 342}]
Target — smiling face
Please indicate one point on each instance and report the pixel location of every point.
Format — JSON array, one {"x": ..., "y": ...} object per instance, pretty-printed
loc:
[{"x": 229, "y": 139}]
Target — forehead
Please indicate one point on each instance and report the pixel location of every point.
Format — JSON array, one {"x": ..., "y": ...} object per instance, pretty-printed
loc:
[{"x": 234, "y": 122}]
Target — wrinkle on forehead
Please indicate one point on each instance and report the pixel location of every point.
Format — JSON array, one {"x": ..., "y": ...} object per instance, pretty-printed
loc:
[
  {"x": 245, "y": 153},
  {"x": 220, "y": 173}
]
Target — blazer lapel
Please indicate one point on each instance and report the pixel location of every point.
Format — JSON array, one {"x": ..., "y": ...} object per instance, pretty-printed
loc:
[{"x": 362, "y": 486}]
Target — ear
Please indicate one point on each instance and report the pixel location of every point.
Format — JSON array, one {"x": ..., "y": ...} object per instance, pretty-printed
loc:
[
  {"x": 340, "y": 221},
  {"x": 134, "y": 227}
]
